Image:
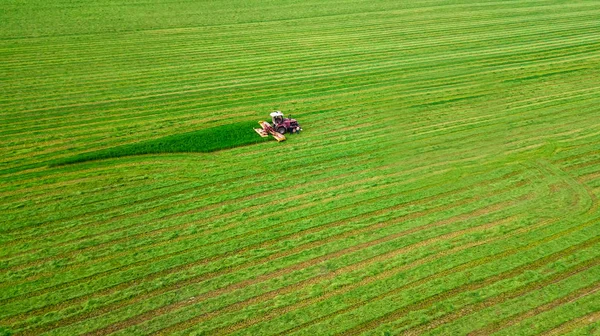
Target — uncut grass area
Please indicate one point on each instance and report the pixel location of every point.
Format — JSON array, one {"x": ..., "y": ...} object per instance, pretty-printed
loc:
[
  {"x": 203, "y": 141},
  {"x": 446, "y": 180}
]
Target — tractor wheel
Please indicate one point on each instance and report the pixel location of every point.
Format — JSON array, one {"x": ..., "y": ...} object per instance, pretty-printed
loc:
[{"x": 281, "y": 130}]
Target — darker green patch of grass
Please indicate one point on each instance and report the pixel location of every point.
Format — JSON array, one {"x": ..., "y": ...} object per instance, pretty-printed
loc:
[
  {"x": 5, "y": 331},
  {"x": 203, "y": 141}
]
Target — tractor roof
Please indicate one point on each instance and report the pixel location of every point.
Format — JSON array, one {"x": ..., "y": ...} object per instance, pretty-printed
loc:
[{"x": 276, "y": 114}]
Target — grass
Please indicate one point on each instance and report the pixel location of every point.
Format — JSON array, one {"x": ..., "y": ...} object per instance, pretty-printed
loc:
[
  {"x": 446, "y": 180},
  {"x": 202, "y": 141}
]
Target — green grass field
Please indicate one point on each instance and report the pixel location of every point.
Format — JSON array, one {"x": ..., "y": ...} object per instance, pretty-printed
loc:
[{"x": 446, "y": 181}]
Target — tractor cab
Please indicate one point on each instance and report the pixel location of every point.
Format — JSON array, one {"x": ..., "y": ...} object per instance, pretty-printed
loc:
[
  {"x": 277, "y": 117},
  {"x": 283, "y": 125}
]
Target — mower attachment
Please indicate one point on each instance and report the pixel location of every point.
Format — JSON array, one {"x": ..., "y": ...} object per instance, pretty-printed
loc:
[{"x": 268, "y": 129}]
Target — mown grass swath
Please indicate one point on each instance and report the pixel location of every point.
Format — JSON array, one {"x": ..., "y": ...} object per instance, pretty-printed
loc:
[{"x": 448, "y": 182}]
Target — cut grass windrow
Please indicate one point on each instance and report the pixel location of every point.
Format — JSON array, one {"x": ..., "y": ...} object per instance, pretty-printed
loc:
[
  {"x": 300, "y": 234},
  {"x": 299, "y": 267},
  {"x": 512, "y": 289},
  {"x": 471, "y": 75},
  {"x": 257, "y": 186},
  {"x": 548, "y": 306},
  {"x": 384, "y": 196},
  {"x": 279, "y": 292},
  {"x": 529, "y": 292},
  {"x": 245, "y": 323},
  {"x": 566, "y": 327},
  {"x": 460, "y": 267},
  {"x": 579, "y": 24},
  {"x": 476, "y": 284}
]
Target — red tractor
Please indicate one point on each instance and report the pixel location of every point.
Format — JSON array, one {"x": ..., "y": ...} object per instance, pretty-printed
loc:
[{"x": 283, "y": 125}]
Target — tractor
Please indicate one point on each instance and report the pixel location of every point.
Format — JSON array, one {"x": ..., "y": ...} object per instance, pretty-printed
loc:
[{"x": 283, "y": 125}]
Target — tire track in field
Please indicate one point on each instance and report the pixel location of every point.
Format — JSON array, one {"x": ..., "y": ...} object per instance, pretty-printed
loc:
[
  {"x": 263, "y": 244},
  {"x": 223, "y": 228},
  {"x": 215, "y": 293},
  {"x": 585, "y": 190},
  {"x": 455, "y": 269},
  {"x": 371, "y": 279},
  {"x": 478, "y": 284},
  {"x": 572, "y": 324},
  {"x": 207, "y": 207},
  {"x": 514, "y": 319},
  {"x": 391, "y": 272}
]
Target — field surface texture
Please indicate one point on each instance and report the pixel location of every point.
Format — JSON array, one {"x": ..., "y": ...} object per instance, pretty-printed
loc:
[{"x": 446, "y": 181}]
